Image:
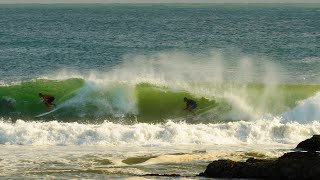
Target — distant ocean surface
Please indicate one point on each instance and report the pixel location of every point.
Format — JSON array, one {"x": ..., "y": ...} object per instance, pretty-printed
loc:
[{"x": 119, "y": 73}]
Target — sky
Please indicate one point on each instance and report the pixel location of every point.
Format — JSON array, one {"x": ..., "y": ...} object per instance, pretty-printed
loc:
[{"x": 156, "y": 1}]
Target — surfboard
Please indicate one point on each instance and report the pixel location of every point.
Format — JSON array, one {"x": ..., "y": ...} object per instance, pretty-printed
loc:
[
  {"x": 190, "y": 117},
  {"x": 46, "y": 113},
  {"x": 204, "y": 110}
]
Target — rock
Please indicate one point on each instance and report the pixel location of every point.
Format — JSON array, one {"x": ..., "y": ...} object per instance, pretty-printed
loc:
[
  {"x": 293, "y": 165},
  {"x": 312, "y": 144},
  {"x": 165, "y": 175}
]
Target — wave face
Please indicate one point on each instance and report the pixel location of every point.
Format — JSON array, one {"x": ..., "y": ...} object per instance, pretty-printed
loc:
[
  {"x": 88, "y": 101},
  {"x": 22, "y": 100}
]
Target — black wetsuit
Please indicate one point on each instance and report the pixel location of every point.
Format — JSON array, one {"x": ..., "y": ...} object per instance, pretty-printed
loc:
[
  {"x": 50, "y": 100},
  {"x": 191, "y": 103}
]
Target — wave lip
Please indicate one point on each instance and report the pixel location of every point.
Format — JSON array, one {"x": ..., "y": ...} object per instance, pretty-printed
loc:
[{"x": 306, "y": 111}]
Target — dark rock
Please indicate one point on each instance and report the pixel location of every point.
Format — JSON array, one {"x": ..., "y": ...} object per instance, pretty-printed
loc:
[
  {"x": 312, "y": 144},
  {"x": 293, "y": 165},
  {"x": 165, "y": 175},
  {"x": 300, "y": 155},
  {"x": 253, "y": 160}
]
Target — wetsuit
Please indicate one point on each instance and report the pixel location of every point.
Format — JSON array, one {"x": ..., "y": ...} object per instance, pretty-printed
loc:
[
  {"x": 49, "y": 100},
  {"x": 191, "y": 103}
]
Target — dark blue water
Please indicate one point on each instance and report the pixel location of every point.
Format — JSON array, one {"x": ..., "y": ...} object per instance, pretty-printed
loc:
[{"x": 42, "y": 39}]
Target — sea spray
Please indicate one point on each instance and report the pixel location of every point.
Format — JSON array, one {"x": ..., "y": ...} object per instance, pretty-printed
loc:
[
  {"x": 95, "y": 101},
  {"x": 306, "y": 111}
]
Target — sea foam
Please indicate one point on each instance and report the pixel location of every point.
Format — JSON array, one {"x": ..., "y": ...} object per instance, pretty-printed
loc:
[{"x": 264, "y": 131}]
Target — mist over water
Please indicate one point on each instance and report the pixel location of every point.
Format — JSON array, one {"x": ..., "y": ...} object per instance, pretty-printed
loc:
[{"x": 172, "y": 67}]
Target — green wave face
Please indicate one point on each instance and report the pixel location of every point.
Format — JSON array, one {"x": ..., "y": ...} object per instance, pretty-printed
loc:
[
  {"x": 222, "y": 102},
  {"x": 276, "y": 99},
  {"x": 22, "y": 101},
  {"x": 89, "y": 102},
  {"x": 156, "y": 104}
]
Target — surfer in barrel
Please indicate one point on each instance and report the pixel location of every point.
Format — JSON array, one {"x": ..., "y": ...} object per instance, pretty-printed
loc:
[
  {"x": 190, "y": 105},
  {"x": 47, "y": 100}
]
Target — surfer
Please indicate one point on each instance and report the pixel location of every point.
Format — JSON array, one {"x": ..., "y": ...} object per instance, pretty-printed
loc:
[
  {"x": 47, "y": 99},
  {"x": 190, "y": 105}
]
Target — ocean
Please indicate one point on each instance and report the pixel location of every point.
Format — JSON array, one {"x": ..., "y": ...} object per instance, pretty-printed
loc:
[{"x": 119, "y": 73}]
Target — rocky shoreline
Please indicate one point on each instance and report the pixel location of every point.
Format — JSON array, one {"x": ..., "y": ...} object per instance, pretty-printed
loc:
[{"x": 304, "y": 163}]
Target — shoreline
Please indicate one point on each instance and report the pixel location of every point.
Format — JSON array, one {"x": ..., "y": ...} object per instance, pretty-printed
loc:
[{"x": 304, "y": 163}]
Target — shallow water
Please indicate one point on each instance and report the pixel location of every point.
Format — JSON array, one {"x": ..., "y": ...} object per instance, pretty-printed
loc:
[{"x": 119, "y": 162}]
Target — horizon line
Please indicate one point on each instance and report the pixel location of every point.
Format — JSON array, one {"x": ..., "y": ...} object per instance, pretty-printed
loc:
[{"x": 161, "y": 3}]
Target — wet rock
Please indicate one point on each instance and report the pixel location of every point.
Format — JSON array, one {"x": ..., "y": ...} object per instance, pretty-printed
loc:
[
  {"x": 312, "y": 144},
  {"x": 293, "y": 165},
  {"x": 164, "y": 175}
]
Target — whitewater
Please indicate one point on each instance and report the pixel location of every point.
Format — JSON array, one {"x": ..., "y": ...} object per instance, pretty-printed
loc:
[{"x": 119, "y": 74}]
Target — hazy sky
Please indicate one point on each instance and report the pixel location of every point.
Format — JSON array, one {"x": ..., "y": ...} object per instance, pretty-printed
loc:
[{"x": 158, "y": 1}]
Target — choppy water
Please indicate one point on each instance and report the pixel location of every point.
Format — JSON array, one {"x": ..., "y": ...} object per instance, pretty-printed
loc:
[{"x": 119, "y": 74}]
